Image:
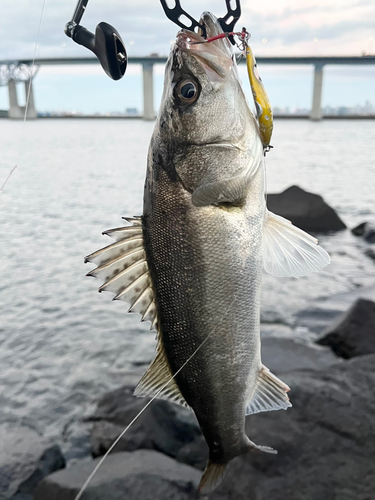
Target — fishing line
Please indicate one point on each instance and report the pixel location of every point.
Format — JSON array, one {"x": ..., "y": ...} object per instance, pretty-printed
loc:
[
  {"x": 88, "y": 480},
  {"x": 20, "y": 150}
]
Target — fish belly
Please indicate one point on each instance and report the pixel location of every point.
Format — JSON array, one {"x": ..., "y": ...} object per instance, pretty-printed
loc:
[{"x": 205, "y": 266}]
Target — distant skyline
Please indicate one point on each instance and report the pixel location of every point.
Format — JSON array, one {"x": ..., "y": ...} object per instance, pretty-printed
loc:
[{"x": 278, "y": 27}]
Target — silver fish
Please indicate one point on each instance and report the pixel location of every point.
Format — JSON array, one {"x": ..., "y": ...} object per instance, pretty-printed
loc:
[{"x": 192, "y": 264}]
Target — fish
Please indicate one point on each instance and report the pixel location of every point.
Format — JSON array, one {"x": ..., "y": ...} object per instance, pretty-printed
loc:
[{"x": 192, "y": 263}]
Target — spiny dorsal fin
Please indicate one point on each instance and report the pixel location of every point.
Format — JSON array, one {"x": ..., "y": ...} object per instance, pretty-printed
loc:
[
  {"x": 124, "y": 271},
  {"x": 289, "y": 251},
  {"x": 270, "y": 393},
  {"x": 123, "y": 268}
]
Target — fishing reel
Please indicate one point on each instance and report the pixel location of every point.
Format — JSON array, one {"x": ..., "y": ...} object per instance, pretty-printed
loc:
[
  {"x": 109, "y": 48},
  {"x": 106, "y": 44}
]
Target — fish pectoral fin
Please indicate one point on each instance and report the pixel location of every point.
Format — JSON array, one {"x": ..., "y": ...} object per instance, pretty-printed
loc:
[
  {"x": 270, "y": 393},
  {"x": 289, "y": 251},
  {"x": 232, "y": 191},
  {"x": 213, "y": 476},
  {"x": 158, "y": 380}
]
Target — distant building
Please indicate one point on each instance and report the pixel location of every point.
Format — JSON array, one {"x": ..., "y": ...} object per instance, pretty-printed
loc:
[{"x": 131, "y": 111}]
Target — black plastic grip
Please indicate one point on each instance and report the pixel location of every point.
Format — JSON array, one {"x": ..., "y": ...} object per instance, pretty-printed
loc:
[{"x": 177, "y": 12}]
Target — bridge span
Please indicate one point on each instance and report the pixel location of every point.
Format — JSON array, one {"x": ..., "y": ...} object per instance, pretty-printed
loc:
[{"x": 12, "y": 72}]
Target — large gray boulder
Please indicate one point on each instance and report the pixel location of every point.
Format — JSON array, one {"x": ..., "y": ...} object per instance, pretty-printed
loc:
[
  {"x": 163, "y": 426},
  {"x": 306, "y": 210},
  {"x": 140, "y": 475},
  {"x": 324, "y": 442},
  {"x": 354, "y": 332},
  {"x": 25, "y": 459}
]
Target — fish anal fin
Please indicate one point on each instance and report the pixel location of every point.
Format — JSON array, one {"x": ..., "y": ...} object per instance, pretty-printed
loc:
[
  {"x": 289, "y": 251},
  {"x": 213, "y": 476},
  {"x": 270, "y": 393},
  {"x": 158, "y": 381}
]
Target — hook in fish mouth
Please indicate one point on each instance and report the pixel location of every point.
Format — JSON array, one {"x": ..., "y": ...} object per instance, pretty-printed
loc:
[{"x": 216, "y": 58}]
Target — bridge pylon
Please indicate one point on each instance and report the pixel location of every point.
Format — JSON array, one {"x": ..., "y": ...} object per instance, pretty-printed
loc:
[{"x": 11, "y": 74}]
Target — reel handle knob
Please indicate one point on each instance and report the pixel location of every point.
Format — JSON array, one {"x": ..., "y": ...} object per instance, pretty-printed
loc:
[{"x": 106, "y": 44}]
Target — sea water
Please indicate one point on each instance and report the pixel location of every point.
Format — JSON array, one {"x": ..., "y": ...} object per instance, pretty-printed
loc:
[{"x": 63, "y": 345}]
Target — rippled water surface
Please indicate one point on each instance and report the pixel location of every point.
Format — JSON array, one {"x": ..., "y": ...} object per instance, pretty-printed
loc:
[{"x": 62, "y": 344}]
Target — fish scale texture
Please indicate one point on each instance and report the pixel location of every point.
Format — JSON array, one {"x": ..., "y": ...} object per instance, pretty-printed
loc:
[{"x": 205, "y": 265}]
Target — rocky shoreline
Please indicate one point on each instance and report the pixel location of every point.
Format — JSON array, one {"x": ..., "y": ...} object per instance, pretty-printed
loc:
[{"x": 324, "y": 443}]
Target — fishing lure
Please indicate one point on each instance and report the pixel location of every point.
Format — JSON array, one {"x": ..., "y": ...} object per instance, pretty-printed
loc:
[
  {"x": 261, "y": 100},
  {"x": 260, "y": 96}
]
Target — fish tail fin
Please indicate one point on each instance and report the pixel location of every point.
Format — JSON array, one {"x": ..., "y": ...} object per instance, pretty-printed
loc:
[{"x": 212, "y": 476}]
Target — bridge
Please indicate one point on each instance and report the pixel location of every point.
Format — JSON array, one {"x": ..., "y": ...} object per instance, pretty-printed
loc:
[{"x": 12, "y": 72}]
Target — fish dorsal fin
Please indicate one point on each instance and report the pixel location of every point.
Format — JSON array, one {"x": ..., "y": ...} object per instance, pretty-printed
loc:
[
  {"x": 270, "y": 393},
  {"x": 289, "y": 251},
  {"x": 157, "y": 377},
  {"x": 123, "y": 269}
]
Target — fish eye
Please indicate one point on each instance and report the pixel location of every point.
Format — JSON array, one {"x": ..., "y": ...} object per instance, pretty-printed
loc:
[{"x": 187, "y": 91}]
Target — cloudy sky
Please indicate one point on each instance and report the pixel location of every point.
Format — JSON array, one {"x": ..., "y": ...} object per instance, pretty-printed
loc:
[{"x": 278, "y": 27}]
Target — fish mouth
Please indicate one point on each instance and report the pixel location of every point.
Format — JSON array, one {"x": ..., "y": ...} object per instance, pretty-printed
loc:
[{"x": 216, "y": 56}]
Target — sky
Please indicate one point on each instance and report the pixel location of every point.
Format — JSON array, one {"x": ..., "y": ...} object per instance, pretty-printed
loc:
[{"x": 277, "y": 27}]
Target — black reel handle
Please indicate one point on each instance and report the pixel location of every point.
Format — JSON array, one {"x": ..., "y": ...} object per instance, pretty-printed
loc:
[
  {"x": 231, "y": 17},
  {"x": 106, "y": 44},
  {"x": 227, "y": 22},
  {"x": 177, "y": 12}
]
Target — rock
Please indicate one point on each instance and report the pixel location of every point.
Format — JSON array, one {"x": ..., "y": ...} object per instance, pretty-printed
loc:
[
  {"x": 143, "y": 474},
  {"x": 370, "y": 253},
  {"x": 323, "y": 441},
  {"x": 370, "y": 236},
  {"x": 164, "y": 426},
  {"x": 25, "y": 459},
  {"x": 282, "y": 355},
  {"x": 354, "y": 332},
  {"x": 360, "y": 229},
  {"x": 366, "y": 230},
  {"x": 306, "y": 210}
]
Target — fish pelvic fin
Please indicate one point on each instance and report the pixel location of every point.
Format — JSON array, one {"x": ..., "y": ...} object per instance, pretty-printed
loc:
[
  {"x": 264, "y": 449},
  {"x": 213, "y": 476},
  {"x": 123, "y": 269},
  {"x": 232, "y": 191},
  {"x": 270, "y": 393},
  {"x": 289, "y": 251}
]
